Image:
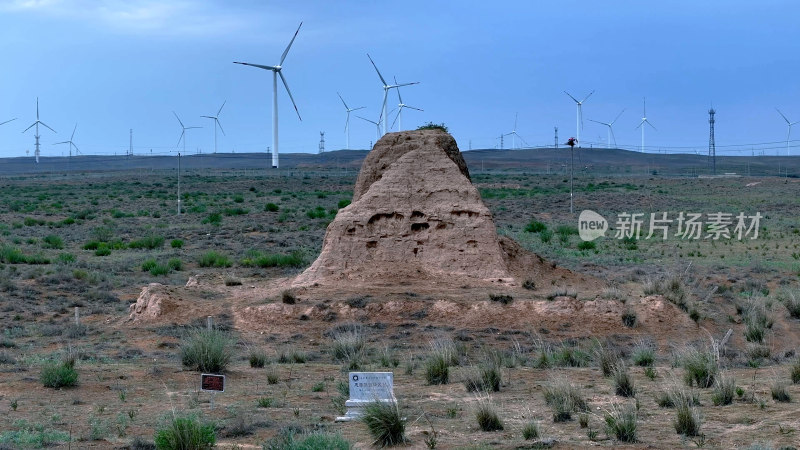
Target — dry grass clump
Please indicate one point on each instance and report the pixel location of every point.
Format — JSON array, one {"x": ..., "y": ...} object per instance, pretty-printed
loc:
[
  {"x": 700, "y": 367},
  {"x": 564, "y": 398}
]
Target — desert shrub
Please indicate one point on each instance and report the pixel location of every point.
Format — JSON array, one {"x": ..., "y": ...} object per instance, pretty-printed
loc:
[
  {"x": 176, "y": 243},
  {"x": 183, "y": 433},
  {"x": 343, "y": 203},
  {"x": 433, "y": 126},
  {"x": 501, "y": 298},
  {"x": 214, "y": 218},
  {"x": 349, "y": 345},
  {"x": 213, "y": 259},
  {"x": 148, "y": 242},
  {"x": 629, "y": 318},
  {"x": 531, "y": 430},
  {"x": 587, "y": 245},
  {"x": 564, "y": 398},
  {"x": 724, "y": 390},
  {"x": 175, "y": 264},
  {"x": 687, "y": 418},
  {"x": 385, "y": 423},
  {"x": 486, "y": 415},
  {"x": 159, "y": 270},
  {"x": 794, "y": 372},
  {"x": 257, "y": 358},
  {"x": 207, "y": 350},
  {"x": 570, "y": 356},
  {"x": 60, "y": 374},
  {"x": 605, "y": 357},
  {"x": 294, "y": 356},
  {"x": 66, "y": 258},
  {"x": 437, "y": 369},
  {"x": 623, "y": 383},
  {"x": 779, "y": 391},
  {"x": 486, "y": 377},
  {"x": 791, "y": 300},
  {"x": 53, "y": 241},
  {"x": 562, "y": 292},
  {"x": 529, "y": 285},
  {"x": 643, "y": 355},
  {"x": 102, "y": 250},
  {"x": 238, "y": 211},
  {"x": 312, "y": 441},
  {"x": 756, "y": 320},
  {"x": 317, "y": 213},
  {"x": 621, "y": 423},
  {"x": 255, "y": 259},
  {"x": 546, "y": 236},
  {"x": 149, "y": 264},
  {"x": 271, "y": 207},
  {"x": 700, "y": 367},
  {"x": 232, "y": 281},
  {"x": 535, "y": 226},
  {"x": 288, "y": 297}
]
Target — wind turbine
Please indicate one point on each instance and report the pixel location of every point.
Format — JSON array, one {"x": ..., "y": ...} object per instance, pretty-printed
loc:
[
  {"x": 71, "y": 144},
  {"x": 579, "y": 117},
  {"x": 514, "y": 135},
  {"x": 398, "y": 118},
  {"x": 347, "y": 122},
  {"x": 36, "y": 133},
  {"x": 11, "y": 120},
  {"x": 377, "y": 124},
  {"x": 183, "y": 133},
  {"x": 610, "y": 129},
  {"x": 788, "y": 133},
  {"x": 644, "y": 120},
  {"x": 386, "y": 88},
  {"x": 216, "y": 124},
  {"x": 276, "y": 71}
]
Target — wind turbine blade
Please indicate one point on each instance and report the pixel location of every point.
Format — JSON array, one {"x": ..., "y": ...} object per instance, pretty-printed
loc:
[
  {"x": 260, "y": 66},
  {"x": 8, "y": 121},
  {"x": 370, "y": 121},
  {"x": 794, "y": 123},
  {"x": 784, "y": 117},
  {"x": 220, "y": 126},
  {"x": 209, "y": 117},
  {"x": 644, "y": 106},
  {"x": 290, "y": 93},
  {"x": 395, "y": 117},
  {"x": 26, "y": 129},
  {"x": 73, "y": 132},
  {"x": 573, "y": 98},
  {"x": 45, "y": 125},
  {"x": 587, "y": 97},
  {"x": 73, "y": 144},
  {"x": 180, "y": 138},
  {"x": 398, "y": 92},
  {"x": 601, "y": 123},
  {"x": 345, "y": 104},
  {"x": 189, "y": 128},
  {"x": 405, "y": 84},
  {"x": 648, "y": 122},
  {"x": 179, "y": 119},
  {"x": 376, "y": 70},
  {"x": 613, "y": 137},
  {"x": 406, "y": 106},
  {"x": 65, "y": 142},
  {"x": 356, "y": 109},
  {"x": 383, "y": 106},
  {"x": 285, "y": 52},
  {"x": 521, "y": 139},
  {"x": 516, "y": 115},
  {"x": 640, "y": 124},
  {"x": 220, "y": 108},
  {"x": 37, "y": 109},
  {"x": 615, "y": 119}
]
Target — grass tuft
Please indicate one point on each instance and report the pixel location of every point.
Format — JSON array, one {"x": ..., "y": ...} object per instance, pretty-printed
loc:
[{"x": 385, "y": 423}]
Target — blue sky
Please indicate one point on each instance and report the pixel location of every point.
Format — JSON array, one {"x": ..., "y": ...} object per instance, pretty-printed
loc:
[{"x": 112, "y": 65}]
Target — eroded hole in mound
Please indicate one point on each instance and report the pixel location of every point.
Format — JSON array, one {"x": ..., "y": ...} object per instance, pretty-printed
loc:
[
  {"x": 417, "y": 214},
  {"x": 386, "y": 216},
  {"x": 472, "y": 243},
  {"x": 415, "y": 227},
  {"x": 351, "y": 230},
  {"x": 441, "y": 226},
  {"x": 461, "y": 212},
  {"x": 372, "y": 244}
]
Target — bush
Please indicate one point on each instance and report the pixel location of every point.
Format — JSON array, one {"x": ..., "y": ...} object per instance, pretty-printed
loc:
[
  {"x": 779, "y": 392},
  {"x": 149, "y": 243},
  {"x": 621, "y": 423},
  {"x": 183, "y": 433},
  {"x": 271, "y": 207},
  {"x": 149, "y": 264},
  {"x": 176, "y": 243},
  {"x": 794, "y": 372},
  {"x": 66, "y": 258},
  {"x": 207, "y": 350},
  {"x": 53, "y": 241},
  {"x": 102, "y": 250},
  {"x": 564, "y": 398},
  {"x": 433, "y": 126},
  {"x": 587, "y": 245},
  {"x": 486, "y": 378},
  {"x": 213, "y": 259},
  {"x": 487, "y": 417},
  {"x": 175, "y": 264},
  {"x": 294, "y": 259},
  {"x": 623, "y": 383},
  {"x": 385, "y": 423},
  {"x": 531, "y": 430},
  {"x": 629, "y": 318},
  {"x": 535, "y": 227},
  {"x": 501, "y": 298},
  {"x": 159, "y": 270},
  {"x": 687, "y": 418},
  {"x": 57, "y": 375},
  {"x": 343, "y": 203},
  {"x": 700, "y": 367},
  {"x": 644, "y": 355},
  {"x": 258, "y": 358},
  {"x": 606, "y": 358},
  {"x": 724, "y": 390},
  {"x": 546, "y": 236},
  {"x": 313, "y": 441},
  {"x": 349, "y": 345},
  {"x": 437, "y": 369}
]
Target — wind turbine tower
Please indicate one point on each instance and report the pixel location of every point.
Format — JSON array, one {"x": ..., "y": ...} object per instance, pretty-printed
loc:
[
  {"x": 514, "y": 135},
  {"x": 276, "y": 71},
  {"x": 377, "y": 125},
  {"x": 579, "y": 114},
  {"x": 347, "y": 122},
  {"x": 644, "y": 120},
  {"x": 71, "y": 144},
  {"x": 789, "y": 132},
  {"x": 400, "y": 106},
  {"x": 386, "y": 88},
  {"x": 36, "y": 131},
  {"x": 610, "y": 129},
  {"x": 183, "y": 133},
  {"x": 217, "y": 124},
  {"x": 712, "y": 148}
]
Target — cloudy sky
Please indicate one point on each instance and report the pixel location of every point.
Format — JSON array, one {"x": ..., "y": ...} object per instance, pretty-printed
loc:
[{"x": 113, "y": 65}]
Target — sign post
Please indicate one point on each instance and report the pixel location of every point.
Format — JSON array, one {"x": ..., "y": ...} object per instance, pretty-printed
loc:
[{"x": 212, "y": 383}]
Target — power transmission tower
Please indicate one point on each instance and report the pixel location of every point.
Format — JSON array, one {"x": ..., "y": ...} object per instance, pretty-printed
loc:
[
  {"x": 501, "y": 142},
  {"x": 322, "y": 142},
  {"x": 556, "y": 141},
  {"x": 712, "y": 151}
]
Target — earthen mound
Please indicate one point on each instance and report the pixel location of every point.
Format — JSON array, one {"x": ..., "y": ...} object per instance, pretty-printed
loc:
[{"x": 415, "y": 215}]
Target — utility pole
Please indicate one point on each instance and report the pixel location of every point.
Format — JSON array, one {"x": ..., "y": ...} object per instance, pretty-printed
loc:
[
  {"x": 556, "y": 140},
  {"x": 501, "y": 142},
  {"x": 322, "y": 142},
  {"x": 712, "y": 151}
]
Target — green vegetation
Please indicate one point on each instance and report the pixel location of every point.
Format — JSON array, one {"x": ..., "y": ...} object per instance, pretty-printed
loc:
[
  {"x": 183, "y": 433},
  {"x": 207, "y": 350},
  {"x": 385, "y": 423},
  {"x": 258, "y": 259},
  {"x": 176, "y": 243},
  {"x": 59, "y": 374},
  {"x": 621, "y": 423},
  {"x": 433, "y": 126},
  {"x": 213, "y": 259},
  {"x": 535, "y": 226},
  {"x": 148, "y": 243}
]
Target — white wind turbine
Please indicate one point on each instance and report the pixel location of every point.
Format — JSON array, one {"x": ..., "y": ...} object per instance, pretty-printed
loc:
[
  {"x": 644, "y": 120},
  {"x": 377, "y": 125},
  {"x": 579, "y": 116},
  {"x": 276, "y": 71},
  {"x": 71, "y": 144},
  {"x": 347, "y": 122},
  {"x": 610, "y": 129},
  {"x": 183, "y": 133},
  {"x": 36, "y": 133},
  {"x": 216, "y": 124},
  {"x": 386, "y": 88},
  {"x": 514, "y": 135},
  {"x": 399, "y": 117},
  {"x": 789, "y": 131}
]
